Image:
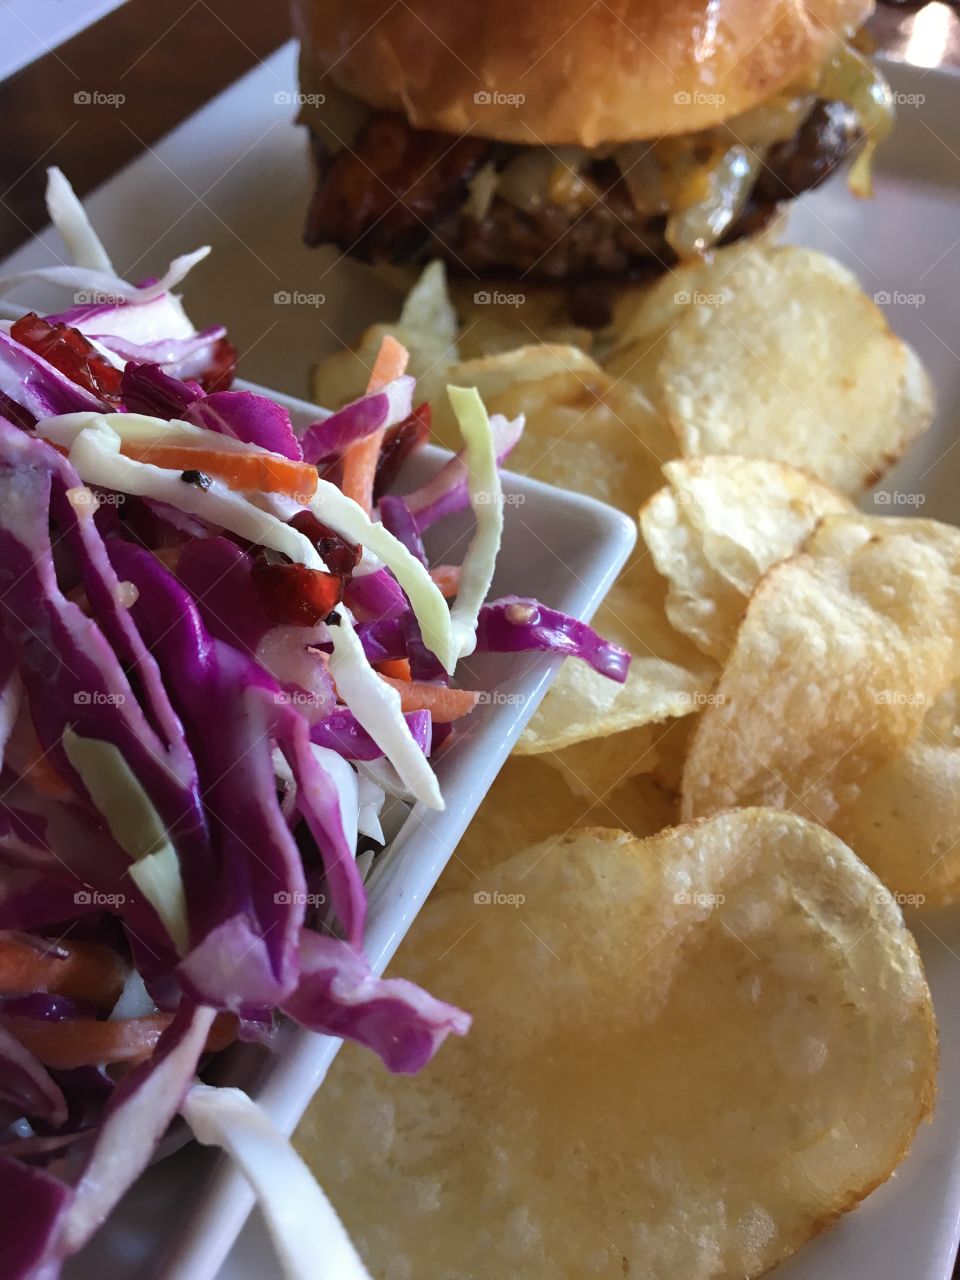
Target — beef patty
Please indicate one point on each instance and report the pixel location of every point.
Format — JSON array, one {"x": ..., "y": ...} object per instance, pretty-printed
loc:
[{"x": 400, "y": 195}]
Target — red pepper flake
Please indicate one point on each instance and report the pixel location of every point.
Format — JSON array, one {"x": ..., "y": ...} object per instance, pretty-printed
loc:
[
  {"x": 295, "y": 596},
  {"x": 69, "y": 351},
  {"x": 398, "y": 443},
  {"x": 222, "y": 369},
  {"x": 340, "y": 557}
]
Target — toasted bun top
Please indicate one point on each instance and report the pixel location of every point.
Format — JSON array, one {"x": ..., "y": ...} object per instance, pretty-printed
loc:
[{"x": 569, "y": 71}]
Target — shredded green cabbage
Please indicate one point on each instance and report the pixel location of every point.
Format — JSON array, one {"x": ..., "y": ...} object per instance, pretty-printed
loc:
[
  {"x": 309, "y": 1237},
  {"x": 136, "y": 826},
  {"x": 349, "y": 519},
  {"x": 94, "y": 449},
  {"x": 486, "y": 498},
  {"x": 377, "y": 708}
]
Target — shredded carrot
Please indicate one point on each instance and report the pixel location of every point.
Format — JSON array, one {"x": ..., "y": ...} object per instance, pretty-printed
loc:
[
  {"x": 360, "y": 460},
  {"x": 443, "y": 704},
  {"x": 85, "y": 1042},
  {"x": 395, "y": 668},
  {"x": 391, "y": 363},
  {"x": 447, "y": 578},
  {"x": 84, "y": 970},
  {"x": 27, "y": 759},
  {"x": 265, "y": 471}
]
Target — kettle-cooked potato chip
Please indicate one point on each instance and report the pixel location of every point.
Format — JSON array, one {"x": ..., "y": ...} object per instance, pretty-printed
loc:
[
  {"x": 584, "y": 431},
  {"x": 523, "y": 375},
  {"x": 689, "y": 1054},
  {"x": 427, "y": 327},
  {"x": 795, "y": 364},
  {"x": 598, "y": 765},
  {"x": 905, "y": 820},
  {"x": 716, "y": 529},
  {"x": 842, "y": 652},
  {"x": 501, "y": 316},
  {"x": 700, "y": 602},
  {"x": 528, "y": 803},
  {"x": 665, "y": 302},
  {"x": 668, "y": 676}
]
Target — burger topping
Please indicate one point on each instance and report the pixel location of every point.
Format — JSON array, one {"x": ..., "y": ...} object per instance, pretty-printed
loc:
[
  {"x": 402, "y": 194},
  {"x": 849, "y": 77},
  {"x": 379, "y": 197}
]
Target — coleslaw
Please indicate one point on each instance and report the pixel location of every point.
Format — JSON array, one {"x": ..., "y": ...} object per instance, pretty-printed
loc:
[{"x": 221, "y": 640}]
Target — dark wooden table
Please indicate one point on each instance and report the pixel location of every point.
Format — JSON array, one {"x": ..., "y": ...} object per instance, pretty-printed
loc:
[{"x": 168, "y": 58}]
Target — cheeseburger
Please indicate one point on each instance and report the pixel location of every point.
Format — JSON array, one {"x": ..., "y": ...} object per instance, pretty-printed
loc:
[{"x": 574, "y": 140}]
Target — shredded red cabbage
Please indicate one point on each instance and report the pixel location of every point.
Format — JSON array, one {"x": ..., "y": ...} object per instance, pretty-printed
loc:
[
  {"x": 398, "y": 518},
  {"x": 513, "y": 625},
  {"x": 327, "y": 439},
  {"x": 134, "y": 636}
]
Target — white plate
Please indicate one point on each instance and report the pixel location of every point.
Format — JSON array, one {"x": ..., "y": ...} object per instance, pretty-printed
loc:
[{"x": 235, "y": 176}]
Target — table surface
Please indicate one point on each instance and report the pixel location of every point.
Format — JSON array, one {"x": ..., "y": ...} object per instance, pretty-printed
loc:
[{"x": 152, "y": 65}]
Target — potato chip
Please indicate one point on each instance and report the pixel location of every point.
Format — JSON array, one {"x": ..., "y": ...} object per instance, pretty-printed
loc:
[
  {"x": 905, "y": 819},
  {"x": 427, "y": 327},
  {"x": 840, "y": 655},
  {"x": 716, "y": 529},
  {"x": 797, "y": 365},
  {"x": 668, "y": 676},
  {"x": 673, "y": 742},
  {"x": 917, "y": 403},
  {"x": 689, "y": 1054},
  {"x": 501, "y": 316},
  {"x": 584, "y": 431},
  {"x": 700, "y": 603},
  {"x": 528, "y": 803},
  {"x": 659, "y": 307},
  {"x": 751, "y": 512},
  {"x": 515, "y": 372},
  {"x": 428, "y": 310},
  {"x": 638, "y": 364},
  {"x": 587, "y": 433},
  {"x": 596, "y": 766}
]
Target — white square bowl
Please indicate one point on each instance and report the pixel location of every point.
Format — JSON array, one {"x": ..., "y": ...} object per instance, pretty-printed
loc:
[{"x": 184, "y": 1215}]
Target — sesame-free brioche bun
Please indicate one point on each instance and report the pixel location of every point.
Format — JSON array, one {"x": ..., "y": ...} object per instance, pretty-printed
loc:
[{"x": 569, "y": 71}]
